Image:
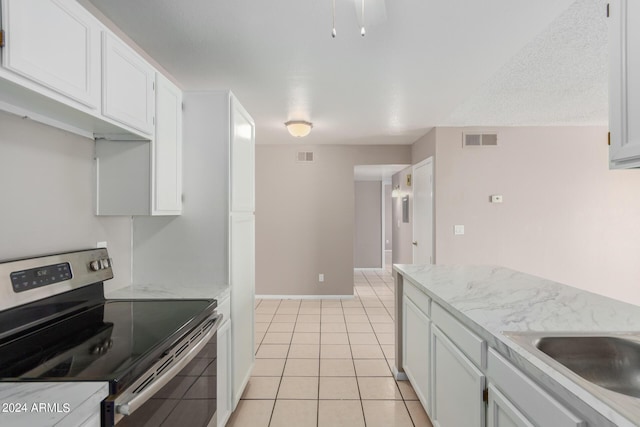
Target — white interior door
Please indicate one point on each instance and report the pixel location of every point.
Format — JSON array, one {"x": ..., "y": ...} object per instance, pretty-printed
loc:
[{"x": 422, "y": 177}]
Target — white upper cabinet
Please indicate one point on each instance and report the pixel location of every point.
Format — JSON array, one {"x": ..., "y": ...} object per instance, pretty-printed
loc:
[
  {"x": 144, "y": 177},
  {"x": 167, "y": 149},
  {"x": 242, "y": 159},
  {"x": 624, "y": 83},
  {"x": 127, "y": 85},
  {"x": 55, "y": 43}
]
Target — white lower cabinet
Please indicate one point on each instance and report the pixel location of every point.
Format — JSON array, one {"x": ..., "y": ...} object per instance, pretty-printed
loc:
[
  {"x": 242, "y": 285},
  {"x": 416, "y": 330},
  {"x": 535, "y": 405},
  {"x": 457, "y": 385},
  {"x": 502, "y": 413},
  {"x": 224, "y": 393}
]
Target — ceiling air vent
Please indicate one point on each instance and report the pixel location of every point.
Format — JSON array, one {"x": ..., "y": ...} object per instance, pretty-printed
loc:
[
  {"x": 305, "y": 157},
  {"x": 479, "y": 139}
]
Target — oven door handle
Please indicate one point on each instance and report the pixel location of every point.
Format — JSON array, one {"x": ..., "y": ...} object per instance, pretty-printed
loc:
[{"x": 130, "y": 405}]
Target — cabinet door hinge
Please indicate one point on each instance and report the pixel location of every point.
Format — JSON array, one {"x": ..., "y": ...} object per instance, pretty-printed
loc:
[
  {"x": 1, "y": 38},
  {"x": 485, "y": 395},
  {"x": 608, "y": 10},
  {"x": 608, "y": 138}
]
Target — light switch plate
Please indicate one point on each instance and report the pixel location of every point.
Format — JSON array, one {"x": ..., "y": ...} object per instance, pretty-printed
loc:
[{"x": 458, "y": 230}]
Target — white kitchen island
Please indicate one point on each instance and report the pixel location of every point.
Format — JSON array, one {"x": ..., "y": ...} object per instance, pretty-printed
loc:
[{"x": 464, "y": 310}]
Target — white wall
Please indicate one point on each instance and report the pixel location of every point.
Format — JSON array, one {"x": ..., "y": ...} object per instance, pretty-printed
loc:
[
  {"x": 47, "y": 193},
  {"x": 565, "y": 215},
  {"x": 191, "y": 249}
]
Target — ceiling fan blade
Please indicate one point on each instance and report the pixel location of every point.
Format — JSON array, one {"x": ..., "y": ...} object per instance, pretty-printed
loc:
[{"x": 375, "y": 12}]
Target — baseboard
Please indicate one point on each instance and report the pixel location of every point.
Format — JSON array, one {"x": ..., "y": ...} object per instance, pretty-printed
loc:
[
  {"x": 309, "y": 297},
  {"x": 370, "y": 269}
]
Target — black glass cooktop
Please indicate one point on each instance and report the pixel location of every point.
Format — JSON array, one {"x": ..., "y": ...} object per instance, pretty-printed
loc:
[{"x": 114, "y": 340}]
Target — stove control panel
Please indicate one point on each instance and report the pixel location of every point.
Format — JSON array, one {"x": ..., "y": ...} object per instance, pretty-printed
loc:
[
  {"x": 40, "y": 276},
  {"x": 100, "y": 264}
]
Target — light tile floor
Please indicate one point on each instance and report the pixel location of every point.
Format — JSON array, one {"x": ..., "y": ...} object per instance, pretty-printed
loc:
[{"x": 327, "y": 363}]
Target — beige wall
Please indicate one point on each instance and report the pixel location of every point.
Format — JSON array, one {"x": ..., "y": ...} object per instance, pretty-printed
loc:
[
  {"x": 367, "y": 237},
  {"x": 305, "y": 216},
  {"x": 47, "y": 193},
  {"x": 424, "y": 147},
  {"x": 565, "y": 215}
]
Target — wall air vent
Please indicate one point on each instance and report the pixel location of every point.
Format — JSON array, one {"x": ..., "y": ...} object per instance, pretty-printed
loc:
[
  {"x": 479, "y": 139},
  {"x": 304, "y": 157}
]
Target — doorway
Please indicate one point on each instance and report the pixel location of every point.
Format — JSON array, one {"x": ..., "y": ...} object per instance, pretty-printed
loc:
[
  {"x": 423, "y": 212},
  {"x": 372, "y": 216}
]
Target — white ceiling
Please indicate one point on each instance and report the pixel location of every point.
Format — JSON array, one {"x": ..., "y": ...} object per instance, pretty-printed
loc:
[{"x": 429, "y": 63}]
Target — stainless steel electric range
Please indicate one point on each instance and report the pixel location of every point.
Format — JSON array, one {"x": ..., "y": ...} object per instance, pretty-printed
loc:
[{"x": 158, "y": 356}]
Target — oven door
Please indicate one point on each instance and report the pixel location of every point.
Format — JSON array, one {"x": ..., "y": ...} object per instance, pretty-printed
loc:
[{"x": 178, "y": 390}]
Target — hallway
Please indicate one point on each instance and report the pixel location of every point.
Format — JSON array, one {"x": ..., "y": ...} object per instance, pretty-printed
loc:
[{"x": 327, "y": 363}]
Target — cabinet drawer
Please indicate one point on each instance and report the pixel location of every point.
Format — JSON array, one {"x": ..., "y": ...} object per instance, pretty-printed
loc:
[
  {"x": 528, "y": 397},
  {"x": 419, "y": 298},
  {"x": 473, "y": 346}
]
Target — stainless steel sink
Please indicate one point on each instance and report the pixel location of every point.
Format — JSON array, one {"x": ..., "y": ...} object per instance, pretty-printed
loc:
[
  {"x": 610, "y": 362},
  {"x": 605, "y": 364}
]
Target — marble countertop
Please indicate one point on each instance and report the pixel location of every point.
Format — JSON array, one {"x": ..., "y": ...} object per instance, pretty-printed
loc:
[
  {"x": 51, "y": 403},
  {"x": 490, "y": 300},
  {"x": 155, "y": 291}
]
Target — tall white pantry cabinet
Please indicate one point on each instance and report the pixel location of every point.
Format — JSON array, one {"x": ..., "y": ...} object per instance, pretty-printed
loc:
[{"x": 212, "y": 243}]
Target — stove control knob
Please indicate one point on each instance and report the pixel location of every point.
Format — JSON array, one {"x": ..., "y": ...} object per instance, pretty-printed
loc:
[
  {"x": 106, "y": 263},
  {"x": 96, "y": 349},
  {"x": 94, "y": 265}
]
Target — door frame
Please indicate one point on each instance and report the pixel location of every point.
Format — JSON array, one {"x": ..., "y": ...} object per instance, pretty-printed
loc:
[{"x": 428, "y": 160}]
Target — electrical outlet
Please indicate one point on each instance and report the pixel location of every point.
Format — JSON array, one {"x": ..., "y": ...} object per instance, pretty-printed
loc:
[
  {"x": 101, "y": 245},
  {"x": 320, "y": 277},
  {"x": 458, "y": 230},
  {"x": 496, "y": 198}
]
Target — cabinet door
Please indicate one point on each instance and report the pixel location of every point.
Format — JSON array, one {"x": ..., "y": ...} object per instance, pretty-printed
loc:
[
  {"x": 502, "y": 413},
  {"x": 167, "y": 149},
  {"x": 416, "y": 330},
  {"x": 536, "y": 404},
  {"x": 128, "y": 82},
  {"x": 242, "y": 159},
  {"x": 225, "y": 406},
  {"x": 242, "y": 286},
  {"x": 55, "y": 43},
  {"x": 624, "y": 83},
  {"x": 457, "y": 385}
]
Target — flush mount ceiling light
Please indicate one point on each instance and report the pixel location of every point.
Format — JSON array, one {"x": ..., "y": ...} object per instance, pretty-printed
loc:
[{"x": 299, "y": 128}]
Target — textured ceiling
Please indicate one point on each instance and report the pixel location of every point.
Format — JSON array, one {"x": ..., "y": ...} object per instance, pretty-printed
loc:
[
  {"x": 559, "y": 78},
  {"x": 424, "y": 63}
]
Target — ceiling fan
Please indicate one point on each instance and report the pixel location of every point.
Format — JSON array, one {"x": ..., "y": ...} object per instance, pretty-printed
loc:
[{"x": 376, "y": 12}]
